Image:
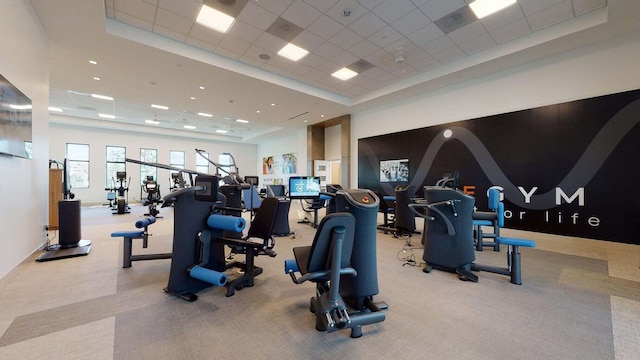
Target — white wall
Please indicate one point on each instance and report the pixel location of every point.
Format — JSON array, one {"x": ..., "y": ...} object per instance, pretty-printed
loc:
[
  {"x": 24, "y": 184},
  {"x": 292, "y": 144},
  {"x": 601, "y": 69},
  {"x": 98, "y": 139}
]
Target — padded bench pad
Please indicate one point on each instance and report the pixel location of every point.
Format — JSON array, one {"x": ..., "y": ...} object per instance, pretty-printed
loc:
[
  {"x": 515, "y": 241},
  {"x": 137, "y": 233}
]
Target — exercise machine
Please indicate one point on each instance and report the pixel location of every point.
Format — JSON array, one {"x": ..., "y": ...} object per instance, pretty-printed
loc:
[
  {"x": 121, "y": 202},
  {"x": 342, "y": 262},
  {"x": 152, "y": 189}
]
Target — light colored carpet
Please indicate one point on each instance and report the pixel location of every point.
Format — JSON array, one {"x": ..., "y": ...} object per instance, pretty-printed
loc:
[{"x": 562, "y": 310}]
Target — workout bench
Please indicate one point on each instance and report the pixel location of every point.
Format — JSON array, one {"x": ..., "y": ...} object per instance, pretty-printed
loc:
[
  {"x": 128, "y": 236},
  {"x": 514, "y": 265}
]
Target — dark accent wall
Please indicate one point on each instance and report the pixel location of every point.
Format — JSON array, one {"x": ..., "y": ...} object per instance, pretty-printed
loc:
[{"x": 568, "y": 169}]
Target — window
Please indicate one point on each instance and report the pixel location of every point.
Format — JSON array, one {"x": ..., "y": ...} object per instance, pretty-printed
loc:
[
  {"x": 225, "y": 162},
  {"x": 78, "y": 163},
  {"x": 176, "y": 159},
  {"x": 115, "y": 162},
  {"x": 202, "y": 162},
  {"x": 150, "y": 156}
]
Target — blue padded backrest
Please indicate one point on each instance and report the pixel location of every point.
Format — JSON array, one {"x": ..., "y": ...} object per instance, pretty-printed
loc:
[
  {"x": 500, "y": 214},
  {"x": 494, "y": 198}
]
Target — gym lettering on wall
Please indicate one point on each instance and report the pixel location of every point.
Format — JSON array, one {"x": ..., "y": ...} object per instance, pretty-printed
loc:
[{"x": 568, "y": 169}]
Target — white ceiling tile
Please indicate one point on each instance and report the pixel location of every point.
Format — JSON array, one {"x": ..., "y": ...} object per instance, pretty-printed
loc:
[
  {"x": 254, "y": 53},
  {"x": 173, "y": 22},
  {"x": 346, "y": 38},
  {"x": 424, "y": 64},
  {"x": 551, "y": 15},
  {"x": 533, "y": 6},
  {"x": 188, "y": 9},
  {"x": 449, "y": 55},
  {"x": 502, "y": 18},
  {"x": 134, "y": 21},
  {"x": 419, "y": 3},
  {"x": 139, "y": 9},
  {"x": 275, "y": 6},
  {"x": 327, "y": 50},
  {"x": 511, "y": 31},
  {"x": 322, "y": 6},
  {"x": 363, "y": 49},
  {"x": 233, "y": 44},
  {"x": 392, "y": 10},
  {"x": 378, "y": 57},
  {"x": 465, "y": 33},
  {"x": 257, "y": 16},
  {"x": 312, "y": 60},
  {"x": 244, "y": 31},
  {"x": 368, "y": 24},
  {"x": 345, "y": 58},
  {"x": 308, "y": 40},
  {"x": 477, "y": 44},
  {"x": 426, "y": 34},
  {"x": 370, "y": 4},
  {"x": 385, "y": 36},
  {"x": 400, "y": 43},
  {"x": 315, "y": 75},
  {"x": 169, "y": 33},
  {"x": 347, "y": 11},
  {"x": 298, "y": 68},
  {"x": 436, "y": 9},
  {"x": 301, "y": 14},
  {"x": 201, "y": 44},
  {"x": 205, "y": 34},
  {"x": 227, "y": 53},
  {"x": 438, "y": 45},
  {"x": 251, "y": 60},
  {"x": 411, "y": 23},
  {"x": 583, "y": 6},
  {"x": 328, "y": 67},
  {"x": 325, "y": 27},
  {"x": 270, "y": 42}
]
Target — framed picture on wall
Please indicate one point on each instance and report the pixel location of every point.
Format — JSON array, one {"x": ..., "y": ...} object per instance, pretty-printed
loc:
[{"x": 394, "y": 170}]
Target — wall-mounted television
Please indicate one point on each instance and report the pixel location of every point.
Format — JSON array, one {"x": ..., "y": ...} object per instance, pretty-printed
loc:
[
  {"x": 304, "y": 187},
  {"x": 15, "y": 121}
]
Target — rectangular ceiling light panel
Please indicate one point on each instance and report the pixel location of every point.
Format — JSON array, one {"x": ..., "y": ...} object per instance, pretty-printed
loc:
[
  {"x": 484, "y": 8},
  {"x": 293, "y": 52},
  {"x": 214, "y": 19}
]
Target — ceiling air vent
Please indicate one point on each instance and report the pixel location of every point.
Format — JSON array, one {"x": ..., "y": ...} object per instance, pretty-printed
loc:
[{"x": 456, "y": 20}]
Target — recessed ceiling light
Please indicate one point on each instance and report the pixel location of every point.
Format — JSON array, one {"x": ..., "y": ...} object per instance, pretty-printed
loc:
[
  {"x": 190, "y": 127},
  {"x": 93, "y": 62},
  {"x": 220, "y": 131},
  {"x": 205, "y": 114},
  {"x": 242, "y": 121},
  {"x": 272, "y": 104},
  {"x": 484, "y": 8},
  {"x": 161, "y": 107},
  {"x": 258, "y": 111},
  {"x": 344, "y": 74},
  {"x": 447, "y": 133},
  {"x": 293, "y": 52},
  {"x": 153, "y": 122},
  {"x": 20, "y": 107},
  {"x": 214, "y": 19},
  {"x": 55, "y": 109},
  {"x": 96, "y": 78},
  {"x": 107, "y": 116},
  {"x": 102, "y": 97},
  {"x": 201, "y": 87},
  {"x": 322, "y": 115},
  {"x": 192, "y": 98}
]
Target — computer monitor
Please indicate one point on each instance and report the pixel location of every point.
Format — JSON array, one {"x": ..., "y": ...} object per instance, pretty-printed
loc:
[
  {"x": 121, "y": 175},
  {"x": 304, "y": 187},
  {"x": 251, "y": 180}
]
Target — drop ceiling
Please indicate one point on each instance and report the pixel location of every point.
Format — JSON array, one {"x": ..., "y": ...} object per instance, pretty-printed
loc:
[{"x": 153, "y": 52}]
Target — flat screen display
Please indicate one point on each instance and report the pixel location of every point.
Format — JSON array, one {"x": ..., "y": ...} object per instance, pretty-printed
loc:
[
  {"x": 304, "y": 187},
  {"x": 15, "y": 121}
]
